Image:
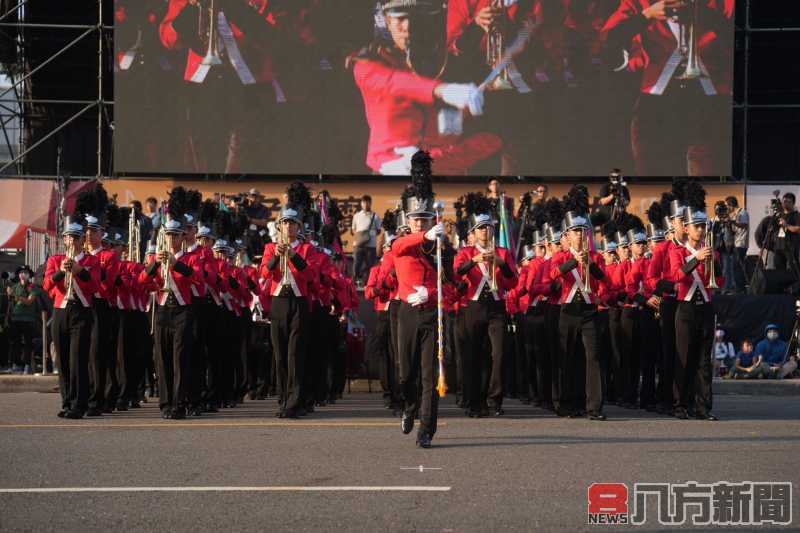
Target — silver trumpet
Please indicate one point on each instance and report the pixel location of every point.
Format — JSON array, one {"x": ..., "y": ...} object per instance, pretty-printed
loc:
[
  {"x": 161, "y": 246},
  {"x": 209, "y": 32},
  {"x": 284, "y": 239},
  {"x": 688, "y": 43},
  {"x": 134, "y": 238},
  {"x": 710, "y": 267}
]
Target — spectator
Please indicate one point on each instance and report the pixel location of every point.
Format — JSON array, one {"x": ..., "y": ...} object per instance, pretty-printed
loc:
[
  {"x": 257, "y": 212},
  {"x": 152, "y": 212},
  {"x": 724, "y": 353},
  {"x": 773, "y": 350},
  {"x": 22, "y": 327},
  {"x": 748, "y": 365},
  {"x": 740, "y": 220},
  {"x": 724, "y": 243},
  {"x": 780, "y": 234},
  {"x": 364, "y": 229}
]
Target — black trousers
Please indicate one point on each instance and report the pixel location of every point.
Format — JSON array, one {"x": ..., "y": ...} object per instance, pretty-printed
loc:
[
  {"x": 694, "y": 334},
  {"x": 536, "y": 346},
  {"x": 460, "y": 351},
  {"x": 666, "y": 370},
  {"x": 21, "y": 334},
  {"x": 649, "y": 355},
  {"x": 525, "y": 371},
  {"x": 629, "y": 364},
  {"x": 205, "y": 328},
  {"x": 289, "y": 331},
  {"x": 552, "y": 317},
  {"x": 241, "y": 363},
  {"x": 615, "y": 380},
  {"x": 363, "y": 259},
  {"x": 317, "y": 360},
  {"x": 417, "y": 337},
  {"x": 394, "y": 307},
  {"x": 173, "y": 348},
  {"x": 337, "y": 356},
  {"x": 102, "y": 355},
  {"x": 219, "y": 348},
  {"x": 72, "y": 336},
  {"x": 382, "y": 347},
  {"x": 130, "y": 356},
  {"x": 484, "y": 319},
  {"x": 579, "y": 325}
]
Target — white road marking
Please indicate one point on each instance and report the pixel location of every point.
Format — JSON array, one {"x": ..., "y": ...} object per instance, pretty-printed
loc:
[
  {"x": 289, "y": 488},
  {"x": 419, "y": 468}
]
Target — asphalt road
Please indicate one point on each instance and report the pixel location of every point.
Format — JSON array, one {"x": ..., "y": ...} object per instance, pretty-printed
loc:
[{"x": 526, "y": 471}]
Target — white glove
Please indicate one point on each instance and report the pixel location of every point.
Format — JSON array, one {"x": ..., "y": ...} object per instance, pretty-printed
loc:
[
  {"x": 464, "y": 96},
  {"x": 402, "y": 165},
  {"x": 436, "y": 231},
  {"x": 509, "y": 3},
  {"x": 419, "y": 297}
]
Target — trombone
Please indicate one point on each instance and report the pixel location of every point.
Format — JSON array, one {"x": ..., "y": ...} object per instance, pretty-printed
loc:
[{"x": 494, "y": 54}]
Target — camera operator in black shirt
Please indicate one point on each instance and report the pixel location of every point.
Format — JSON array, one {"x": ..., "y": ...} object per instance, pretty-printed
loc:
[
  {"x": 780, "y": 233},
  {"x": 614, "y": 196}
]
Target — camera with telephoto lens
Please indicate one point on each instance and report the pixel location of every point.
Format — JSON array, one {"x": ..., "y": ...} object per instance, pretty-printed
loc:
[
  {"x": 721, "y": 210},
  {"x": 616, "y": 183}
]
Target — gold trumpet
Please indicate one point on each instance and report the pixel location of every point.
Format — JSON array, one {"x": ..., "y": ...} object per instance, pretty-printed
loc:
[
  {"x": 68, "y": 281},
  {"x": 284, "y": 239},
  {"x": 209, "y": 32},
  {"x": 587, "y": 285},
  {"x": 494, "y": 54},
  {"x": 688, "y": 43},
  {"x": 134, "y": 238},
  {"x": 710, "y": 266},
  {"x": 493, "y": 278},
  {"x": 162, "y": 246}
]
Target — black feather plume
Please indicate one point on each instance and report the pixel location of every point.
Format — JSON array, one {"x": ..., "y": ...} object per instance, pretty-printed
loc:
[
  {"x": 679, "y": 189},
  {"x": 555, "y": 211},
  {"x": 696, "y": 196},
  {"x": 477, "y": 203},
  {"x": 223, "y": 225},
  {"x": 193, "y": 200},
  {"x": 208, "y": 210},
  {"x": 655, "y": 214},
  {"x": 176, "y": 205},
  {"x": 610, "y": 229},
  {"x": 92, "y": 201},
  {"x": 421, "y": 175},
  {"x": 389, "y": 222},
  {"x": 577, "y": 200},
  {"x": 666, "y": 201},
  {"x": 299, "y": 196}
]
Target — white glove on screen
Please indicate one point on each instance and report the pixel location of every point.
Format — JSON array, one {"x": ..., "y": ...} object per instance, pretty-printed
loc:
[
  {"x": 464, "y": 96},
  {"x": 402, "y": 165}
]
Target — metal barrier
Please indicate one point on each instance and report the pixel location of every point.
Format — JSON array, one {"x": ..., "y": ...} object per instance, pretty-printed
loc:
[{"x": 39, "y": 246}]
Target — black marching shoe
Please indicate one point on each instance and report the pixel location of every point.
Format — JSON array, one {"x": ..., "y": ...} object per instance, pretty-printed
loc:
[
  {"x": 407, "y": 423},
  {"x": 166, "y": 413},
  {"x": 196, "y": 411},
  {"x": 94, "y": 411},
  {"x": 135, "y": 405},
  {"x": 290, "y": 413},
  {"x": 424, "y": 440},
  {"x": 122, "y": 406},
  {"x": 706, "y": 416},
  {"x": 73, "y": 414},
  {"x": 681, "y": 413},
  {"x": 498, "y": 411},
  {"x": 179, "y": 413},
  {"x": 62, "y": 413},
  {"x": 597, "y": 416}
]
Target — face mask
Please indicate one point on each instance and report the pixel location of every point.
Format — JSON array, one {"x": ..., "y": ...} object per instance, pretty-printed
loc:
[
  {"x": 772, "y": 335},
  {"x": 23, "y": 278}
]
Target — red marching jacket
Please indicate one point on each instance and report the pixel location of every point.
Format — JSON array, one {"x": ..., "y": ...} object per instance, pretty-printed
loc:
[
  {"x": 181, "y": 275},
  {"x": 476, "y": 277},
  {"x": 373, "y": 291},
  {"x": 303, "y": 279},
  {"x": 660, "y": 44},
  {"x": 387, "y": 276},
  {"x": 690, "y": 275},
  {"x": 84, "y": 285},
  {"x": 415, "y": 266},
  {"x": 564, "y": 268},
  {"x": 109, "y": 269},
  {"x": 635, "y": 286},
  {"x": 659, "y": 277}
]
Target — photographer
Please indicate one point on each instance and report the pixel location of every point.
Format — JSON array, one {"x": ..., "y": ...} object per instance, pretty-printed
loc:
[
  {"x": 780, "y": 233},
  {"x": 257, "y": 212},
  {"x": 614, "y": 196},
  {"x": 740, "y": 222},
  {"x": 724, "y": 238}
]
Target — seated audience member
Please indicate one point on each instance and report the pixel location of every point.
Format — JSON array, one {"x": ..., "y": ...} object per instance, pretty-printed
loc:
[
  {"x": 773, "y": 351},
  {"x": 724, "y": 353},
  {"x": 748, "y": 365}
]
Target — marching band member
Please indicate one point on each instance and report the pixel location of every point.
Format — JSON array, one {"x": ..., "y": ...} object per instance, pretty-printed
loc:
[
  {"x": 490, "y": 271},
  {"x": 582, "y": 282},
  {"x": 170, "y": 277},
  {"x": 401, "y": 103},
  {"x": 415, "y": 264},
  {"x": 693, "y": 266},
  {"x": 382, "y": 337},
  {"x": 285, "y": 264},
  {"x": 71, "y": 280}
]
